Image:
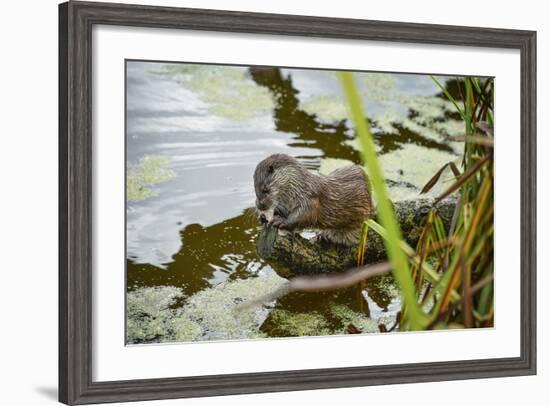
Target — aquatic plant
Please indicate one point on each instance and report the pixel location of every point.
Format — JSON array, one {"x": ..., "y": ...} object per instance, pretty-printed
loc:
[
  {"x": 216, "y": 309},
  {"x": 450, "y": 273},
  {"x": 210, "y": 314},
  {"x": 412, "y": 166},
  {"x": 150, "y": 316},
  {"x": 348, "y": 316},
  {"x": 283, "y": 323},
  {"x": 227, "y": 91},
  {"x": 439, "y": 295},
  {"x": 327, "y": 108},
  {"x": 447, "y": 281},
  {"x": 426, "y": 116},
  {"x": 151, "y": 170},
  {"x": 412, "y": 316},
  {"x": 331, "y": 164},
  {"x": 380, "y": 86}
]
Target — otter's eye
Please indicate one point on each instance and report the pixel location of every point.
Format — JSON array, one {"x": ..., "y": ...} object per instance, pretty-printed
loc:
[{"x": 265, "y": 190}]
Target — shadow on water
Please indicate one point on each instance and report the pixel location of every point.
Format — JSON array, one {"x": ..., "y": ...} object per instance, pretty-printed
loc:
[
  {"x": 225, "y": 252},
  {"x": 208, "y": 256},
  {"x": 330, "y": 138},
  {"x": 288, "y": 117}
]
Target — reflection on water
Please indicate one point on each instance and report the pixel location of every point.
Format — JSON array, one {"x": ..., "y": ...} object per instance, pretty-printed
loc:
[{"x": 194, "y": 136}]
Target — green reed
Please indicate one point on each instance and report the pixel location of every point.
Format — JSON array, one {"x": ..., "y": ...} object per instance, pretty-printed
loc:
[
  {"x": 447, "y": 279},
  {"x": 398, "y": 259}
]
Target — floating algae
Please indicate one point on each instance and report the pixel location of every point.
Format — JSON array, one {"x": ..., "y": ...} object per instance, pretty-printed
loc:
[
  {"x": 215, "y": 309},
  {"x": 228, "y": 91},
  {"x": 329, "y": 165},
  {"x": 419, "y": 169},
  {"x": 151, "y": 318},
  {"x": 347, "y": 316},
  {"x": 150, "y": 170},
  {"x": 391, "y": 111},
  {"x": 409, "y": 169},
  {"x": 326, "y": 108},
  {"x": 404, "y": 180},
  {"x": 384, "y": 121},
  {"x": 211, "y": 314},
  {"x": 283, "y": 323},
  {"x": 377, "y": 87},
  {"x": 380, "y": 86}
]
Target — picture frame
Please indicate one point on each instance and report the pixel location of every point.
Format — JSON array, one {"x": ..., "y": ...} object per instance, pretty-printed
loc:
[{"x": 76, "y": 20}]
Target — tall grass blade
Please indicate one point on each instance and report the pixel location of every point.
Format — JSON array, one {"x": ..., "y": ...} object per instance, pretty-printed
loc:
[
  {"x": 400, "y": 266},
  {"x": 431, "y": 183},
  {"x": 471, "y": 172},
  {"x": 449, "y": 96}
]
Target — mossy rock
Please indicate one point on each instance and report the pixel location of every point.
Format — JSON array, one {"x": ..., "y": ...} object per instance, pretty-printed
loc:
[{"x": 292, "y": 254}]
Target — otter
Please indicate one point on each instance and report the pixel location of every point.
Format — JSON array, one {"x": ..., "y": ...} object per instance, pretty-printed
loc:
[{"x": 290, "y": 197}]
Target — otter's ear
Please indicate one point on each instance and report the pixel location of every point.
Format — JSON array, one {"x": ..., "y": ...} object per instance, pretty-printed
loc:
[{"x": 270, "y": 169}]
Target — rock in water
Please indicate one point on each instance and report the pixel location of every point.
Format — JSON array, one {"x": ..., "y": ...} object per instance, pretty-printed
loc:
[{"x": 295, "y": 255}]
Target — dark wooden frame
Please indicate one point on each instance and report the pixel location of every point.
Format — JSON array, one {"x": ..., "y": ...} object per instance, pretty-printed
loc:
[{"x": 76, "y": 20}]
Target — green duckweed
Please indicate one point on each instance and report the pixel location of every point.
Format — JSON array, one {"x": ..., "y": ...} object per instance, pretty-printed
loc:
[
  {"x": 226, "y": 90},
  {"x": 151, "y": 170}
]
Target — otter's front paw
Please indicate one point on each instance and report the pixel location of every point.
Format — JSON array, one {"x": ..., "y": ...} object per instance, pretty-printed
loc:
[{"x": 279, "y": 222}]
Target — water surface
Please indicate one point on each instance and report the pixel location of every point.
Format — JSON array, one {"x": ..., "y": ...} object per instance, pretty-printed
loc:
[{"x": 194, "y": 136}]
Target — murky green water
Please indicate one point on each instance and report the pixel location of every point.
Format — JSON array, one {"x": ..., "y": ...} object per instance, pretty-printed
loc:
[{"x": 194, "y": 136}]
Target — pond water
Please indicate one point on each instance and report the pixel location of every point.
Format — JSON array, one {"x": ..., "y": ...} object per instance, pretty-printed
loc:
[{"x": 194, "y": 136}]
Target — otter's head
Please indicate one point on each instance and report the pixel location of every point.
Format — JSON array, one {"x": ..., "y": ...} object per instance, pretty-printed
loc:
[{"x": 266, "y": 184}]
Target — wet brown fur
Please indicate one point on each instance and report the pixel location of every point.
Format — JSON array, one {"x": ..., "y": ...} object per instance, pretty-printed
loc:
[{"x": 336, "y": 204}]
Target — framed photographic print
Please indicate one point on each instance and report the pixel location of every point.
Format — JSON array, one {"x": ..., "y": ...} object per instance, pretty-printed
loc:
[{"x": 260, "y": 202}]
